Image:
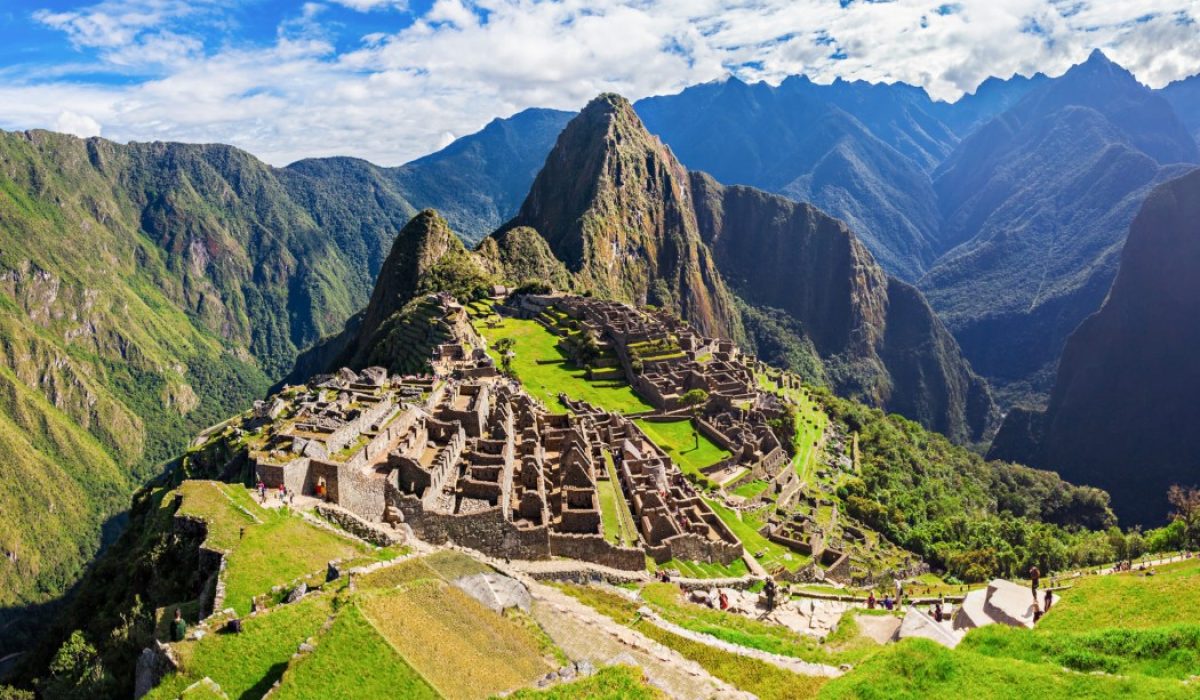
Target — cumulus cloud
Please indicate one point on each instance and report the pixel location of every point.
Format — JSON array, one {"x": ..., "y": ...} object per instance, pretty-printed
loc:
[
  {"x": 80, "y": 125},
  {"x": 394, "y": 94}
]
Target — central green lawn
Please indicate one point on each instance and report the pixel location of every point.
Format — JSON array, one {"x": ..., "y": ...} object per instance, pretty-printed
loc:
[
  {"x": 811, "y": 422},
  {"x": 267, "y": 546},
  {"x": 544, "y": 372},
  {"x": 702, "y": 569},
  {"x": 677, "y": 440}
]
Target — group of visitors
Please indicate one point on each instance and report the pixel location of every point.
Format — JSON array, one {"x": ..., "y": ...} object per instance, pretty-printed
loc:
[{"x": 285, "y": 496}]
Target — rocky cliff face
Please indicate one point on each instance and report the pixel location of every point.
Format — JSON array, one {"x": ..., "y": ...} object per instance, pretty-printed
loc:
[
  {"x": 1123, "y": 411},
  {"x": 613, "y": 204},
  {"x": 878, "y": 338}
]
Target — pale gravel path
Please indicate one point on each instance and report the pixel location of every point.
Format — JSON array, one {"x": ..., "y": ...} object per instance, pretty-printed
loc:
[{"x": 583, "y": 633}]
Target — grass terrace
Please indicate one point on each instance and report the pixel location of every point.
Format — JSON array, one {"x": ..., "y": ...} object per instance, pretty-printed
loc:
[
  {"x": 752, "y": 488},
  {"x": 463, "y": 649},
  {"x": 811, "y": 422},
  {"x": 676, "y": 439},
  {"x": 247, "y": 664},
  {"x": 701, "y": 569},
  {"x": 545, "y": 372},
  {"x": 266, "y": 546},
  {"x": 774, "y": 556},
  {"x": 609, "y": 683},
  {"x": 351, "y": 661},
  {"x": 918, "y": 669},
  {"x": 619, "y": 527},
  {"x": 1130, "y": 600}
]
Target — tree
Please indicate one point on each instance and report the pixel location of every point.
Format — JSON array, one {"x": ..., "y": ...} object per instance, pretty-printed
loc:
[
  {"x": 1187, "y": 509},
  {"x": 505, "y": 346},
  {"x": 76, "y": 672},
  {"x": 694, "y": 399}
]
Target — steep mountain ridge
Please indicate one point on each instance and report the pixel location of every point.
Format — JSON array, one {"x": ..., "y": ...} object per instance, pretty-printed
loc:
[
  {"x": 1036, "y": 204},
  {"x": 1123, "y": 410},
  {"x": 613, "y": 204},
  {"x": 878, "y": 338}
]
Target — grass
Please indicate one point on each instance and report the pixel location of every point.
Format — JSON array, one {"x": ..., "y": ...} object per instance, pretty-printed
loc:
[
  {"x": 774, "y": 555},
  {"x": 1163, "y": 652},
  {"x": 918, "y": 669},
  {"x": 677, "y": 440},
  {"x": 276, "y": 546},
  {"x": 765, "y": 680},
  {"x": 609, "y": 683},
  {"x": 247, "y": 664},
  {"x": 446, "y": 565},
  {"x": 666, "y": 600},
  {"x": 352, "y": 661},
  {"x": 544, "y": 371},
  {"x": 1129, "y": 600},
  {"x": 615, "y": 517},
  {"x": 811, "y": 422},
  {"x": 461, "y": 647},
  {"x": 751, "y": 489},
  {"x": 702, "y": 569}
]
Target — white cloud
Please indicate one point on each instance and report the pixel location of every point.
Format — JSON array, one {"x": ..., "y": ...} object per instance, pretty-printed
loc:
[
  {"x": 372, "y": 5},
  {"x": 80, "y": 125},
  {"x": 463, "y": 62}
]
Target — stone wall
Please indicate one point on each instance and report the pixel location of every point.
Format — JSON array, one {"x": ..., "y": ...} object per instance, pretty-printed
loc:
[
  {"x": 596, "y": 549},
  {"x": 361, "y": 529},
  {"x": 486, "y": 530}
]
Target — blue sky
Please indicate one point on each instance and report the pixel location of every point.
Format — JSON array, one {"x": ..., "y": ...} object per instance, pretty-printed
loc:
[{"x": 390, "y": 80}]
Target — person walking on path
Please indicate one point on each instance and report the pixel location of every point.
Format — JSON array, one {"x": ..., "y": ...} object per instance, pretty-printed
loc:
[
  {"x": 1049, "y": 601},
  {"x": 1034, "y": 577}
]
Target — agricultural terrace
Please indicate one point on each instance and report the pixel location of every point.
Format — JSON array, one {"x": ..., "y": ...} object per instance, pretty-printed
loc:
[
  {"x": 545, "y": 372},
  {"x": 252, "y": 536},
  {"x": 351, "y": 661},
  {"x": 618, "y": 523},
  {"x": 247, "y": 664},
  {"x": 464, "y": 649},
  {"x": 678, "y": 440},
  {"x": 811, "y": 422},
  {"x": 746, "y": 526}
]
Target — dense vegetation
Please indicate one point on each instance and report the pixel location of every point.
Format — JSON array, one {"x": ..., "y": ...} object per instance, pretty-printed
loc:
[{"x": 973, "y": 518}]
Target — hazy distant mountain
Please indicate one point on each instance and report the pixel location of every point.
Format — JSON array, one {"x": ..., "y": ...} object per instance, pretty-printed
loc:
[
  {"x": 797, "y": 140},
  {"x": 1184, "y": 95},
  {"x": 1036, "y": 204},
  {"x": 1123, "y": 412}
]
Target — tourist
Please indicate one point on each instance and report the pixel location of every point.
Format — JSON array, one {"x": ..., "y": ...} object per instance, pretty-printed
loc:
[
  {"x": 871, "y": 601},
  {"x": 1034, "y": 576},
  {"x": 178, "y": 627},
  {"x": 899, "y": 590},
  {"x": 937, "y": 611},
  {"x": 887, "y": 602},
  {"x": 769, "y": 589},
  {"x": 1049, "y": 600},
  {"x": 724, "y": 598}
]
